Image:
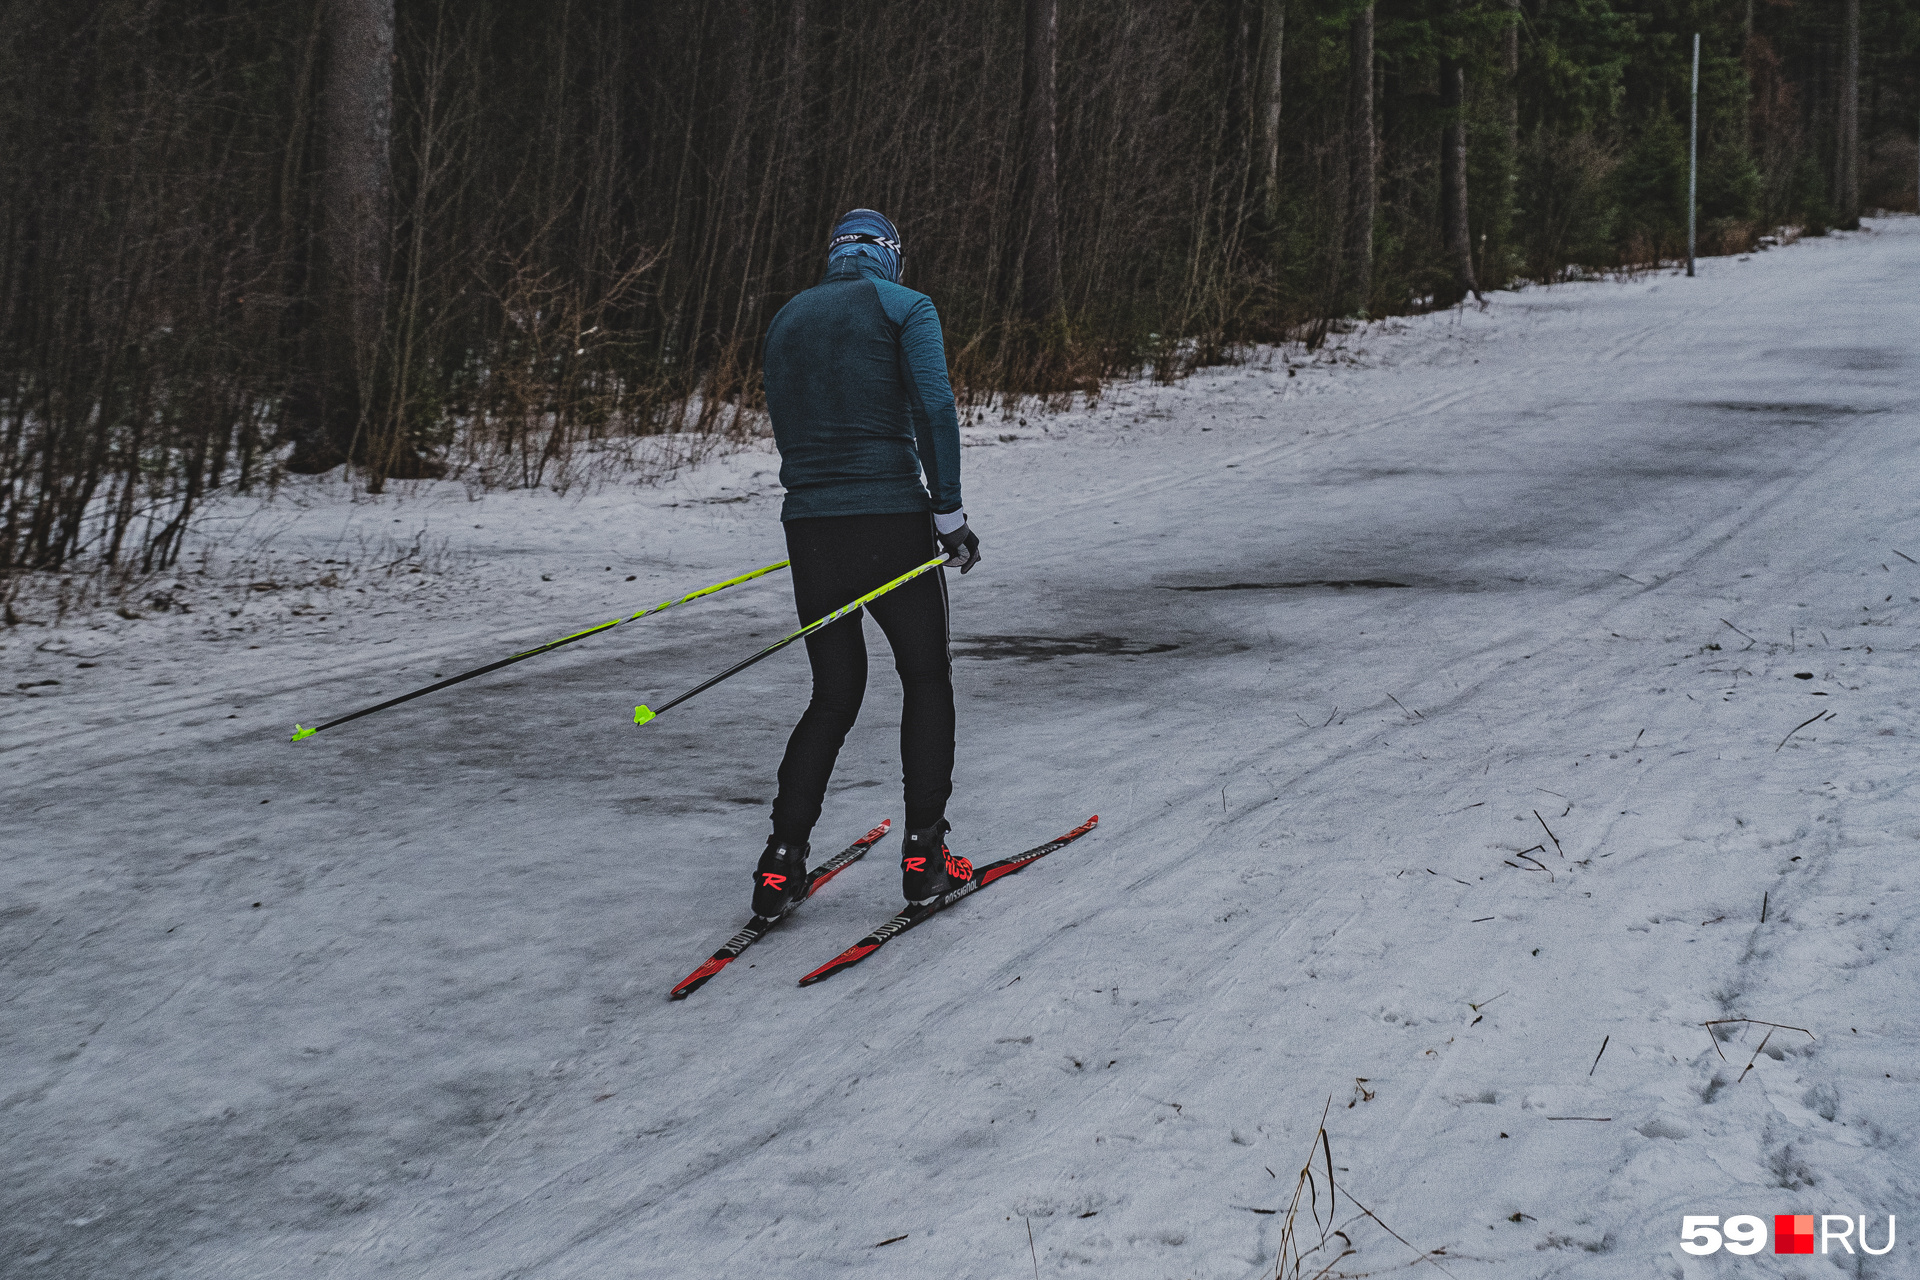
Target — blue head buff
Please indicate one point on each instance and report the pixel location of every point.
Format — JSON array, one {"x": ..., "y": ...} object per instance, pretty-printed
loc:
[{"x": 870, "y": 235}]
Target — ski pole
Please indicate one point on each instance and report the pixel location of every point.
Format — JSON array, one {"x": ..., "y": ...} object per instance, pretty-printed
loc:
[
  {"x": 299, "y": 732},
  {"x": 642, "y": 714}
]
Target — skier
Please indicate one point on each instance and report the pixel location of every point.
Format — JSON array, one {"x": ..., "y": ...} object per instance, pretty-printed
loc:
[{"x": 856, "y": 384}]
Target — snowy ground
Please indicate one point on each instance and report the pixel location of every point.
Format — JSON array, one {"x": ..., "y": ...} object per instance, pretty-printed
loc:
[{"x": 391, "y": 1001}]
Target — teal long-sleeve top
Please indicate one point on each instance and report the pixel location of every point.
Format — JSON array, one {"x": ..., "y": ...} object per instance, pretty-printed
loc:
[{"x": 856, "y": 381}]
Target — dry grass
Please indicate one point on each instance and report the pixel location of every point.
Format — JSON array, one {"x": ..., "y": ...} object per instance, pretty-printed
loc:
[
  {"x": 221, "y": 572},
  {"x": 1758, "y": 1049},
  {"x": 1313, "y": 1247}
]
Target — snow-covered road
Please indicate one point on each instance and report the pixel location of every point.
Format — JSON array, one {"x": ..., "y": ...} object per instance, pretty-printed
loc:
[{"x": 1436, "y": 699}]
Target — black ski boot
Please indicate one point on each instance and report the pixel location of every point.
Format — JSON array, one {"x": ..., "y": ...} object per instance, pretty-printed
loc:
[
  {"x": 780, "y": 881},
  {"x": 928, "y": 868}
]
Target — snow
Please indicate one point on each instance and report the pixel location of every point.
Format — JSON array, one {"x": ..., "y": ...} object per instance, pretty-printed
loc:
[{"x": 392, "y": 1001}]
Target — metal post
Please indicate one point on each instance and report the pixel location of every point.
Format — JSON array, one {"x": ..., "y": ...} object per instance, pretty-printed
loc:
[{"x": 1693, "y": 154}]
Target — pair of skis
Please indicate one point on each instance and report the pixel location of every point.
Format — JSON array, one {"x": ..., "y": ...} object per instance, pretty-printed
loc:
[{"x": 758, "y": 927}]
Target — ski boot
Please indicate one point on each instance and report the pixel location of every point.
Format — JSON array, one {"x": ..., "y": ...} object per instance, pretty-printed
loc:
[
  {"x": 780, "y": 881},
  {"x": 928, "y": 868}
]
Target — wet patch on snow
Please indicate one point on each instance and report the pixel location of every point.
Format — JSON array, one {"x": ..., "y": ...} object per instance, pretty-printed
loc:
[
  {"x": 1813, "y": 411},
  {"x": 1042, "y": 648},
  {"x": 1371, "y": 584},
  {"x": 682, "y": 804},
  {"x": 1852, "y": 359}
]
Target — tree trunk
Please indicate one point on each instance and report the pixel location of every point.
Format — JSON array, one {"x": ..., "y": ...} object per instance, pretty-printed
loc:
[
  {"x": 1512, "y": 60},
  {"x": 1846, "y": 168},
  {"x": 356, "y": 120},
  {"x": 1453, "y": 178},
  {"x": 1747, "y": 62},
  {"x": 1040, "y": 260},
  {"x": 802, "y": 269},
  {"x": 1266, "y": 110},
  {"x": 1362, "y": 180},
  {"x": 1241, "y": 145},
  {"x": 797, "y": 51}
]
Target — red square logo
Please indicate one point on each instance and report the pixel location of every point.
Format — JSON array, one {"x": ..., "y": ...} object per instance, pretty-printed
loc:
[{"x": 1793, "y": 1233}]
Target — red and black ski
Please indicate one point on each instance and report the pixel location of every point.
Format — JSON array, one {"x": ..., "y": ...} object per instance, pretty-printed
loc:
[
  {"x": 758, "y": 927},
  {"x": 982, "y": 877}
]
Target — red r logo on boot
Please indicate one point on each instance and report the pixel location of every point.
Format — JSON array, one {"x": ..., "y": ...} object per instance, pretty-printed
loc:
[
  {"x": 772, "y": 881},
  {"x": 916, "y": 864}
]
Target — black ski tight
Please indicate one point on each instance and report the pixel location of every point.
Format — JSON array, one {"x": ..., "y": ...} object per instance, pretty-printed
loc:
[{"x": 841, "y": 558}]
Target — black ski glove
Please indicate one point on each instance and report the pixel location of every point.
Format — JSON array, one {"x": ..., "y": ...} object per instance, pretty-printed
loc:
[{"x": 961, "y": 543}]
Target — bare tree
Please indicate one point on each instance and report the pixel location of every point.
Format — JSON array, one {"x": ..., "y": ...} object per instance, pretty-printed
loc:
[
  {"x": 1362, "y": 180},
  {"x": 796, "y": 177},
  {"x": 358, "y": 118},
  {"x": 1040, "y": 260},
  {"x": 1455, "y": 241},
  {"x": 1511, "y": 50},
  {"x": 333, "y": 411},
  {"x": 1846, "y": 159},
  {"x": 1266, "y": 108}
]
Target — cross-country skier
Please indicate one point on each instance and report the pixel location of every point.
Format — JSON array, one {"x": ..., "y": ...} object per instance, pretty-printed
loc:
[{"x": 856, "y": 383}]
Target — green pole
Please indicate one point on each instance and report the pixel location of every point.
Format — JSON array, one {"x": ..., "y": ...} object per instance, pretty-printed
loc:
[
  {"x": 299, "y": 732},
  {"x": 643, "y": 714}
]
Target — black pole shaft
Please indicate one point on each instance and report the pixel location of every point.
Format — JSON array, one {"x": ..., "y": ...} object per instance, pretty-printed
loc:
[
  {"x": 537, "y": 650},
  {"x": 465, "y": 675},
  {"x": 645, "y": 715},
  {"x": 731, "y": 671}
]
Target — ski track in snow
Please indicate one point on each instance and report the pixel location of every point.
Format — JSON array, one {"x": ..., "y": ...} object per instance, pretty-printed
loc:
[{"x": 392, "y": 1001}]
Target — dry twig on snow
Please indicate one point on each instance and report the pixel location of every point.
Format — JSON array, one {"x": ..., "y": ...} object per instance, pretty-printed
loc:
[
  {"x": 1775, "y": 1026},
  {"x": 1804, "y": 723},
  {"x": 1299, "y": 1260}
]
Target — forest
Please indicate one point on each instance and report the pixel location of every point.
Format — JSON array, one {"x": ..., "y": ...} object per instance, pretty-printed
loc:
[{"x": 494, "y": 240}]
